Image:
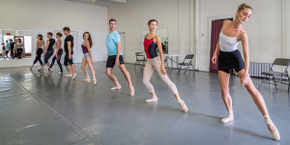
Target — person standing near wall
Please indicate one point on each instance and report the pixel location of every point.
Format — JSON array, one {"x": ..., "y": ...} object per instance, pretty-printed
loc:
[
  {"x": 68, "y": 48},
  {"x": 3, "y": 51},
  {"x": 19, "y": 48},
  {"x": 113, "y": 44},
  {"x": 58, "y": 53},
  {"x": 154, "y": 62},
  {"x": 48, "y": 51},
  {"x": 39, "y": 50},
  {"x": 230, "y": 58},
  {"x": 7, "y": 49},
  {"x": 88, "y": 57}
]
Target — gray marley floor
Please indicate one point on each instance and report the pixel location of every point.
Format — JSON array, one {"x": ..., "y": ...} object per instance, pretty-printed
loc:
[{"x": 37, "y": 108}]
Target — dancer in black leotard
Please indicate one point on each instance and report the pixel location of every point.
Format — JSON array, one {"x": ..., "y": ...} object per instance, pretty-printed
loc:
[
  {"x": 49, "y": 50},
  {"x": 58, "y": 53},
  {"x": 39, "y": 45}
]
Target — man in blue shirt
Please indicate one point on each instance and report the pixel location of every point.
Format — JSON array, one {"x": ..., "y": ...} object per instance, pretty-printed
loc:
[{"x": 113, "y": 43}]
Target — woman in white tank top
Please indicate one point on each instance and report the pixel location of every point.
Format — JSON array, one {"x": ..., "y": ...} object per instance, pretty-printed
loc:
[{"x": 230, "y": 58}]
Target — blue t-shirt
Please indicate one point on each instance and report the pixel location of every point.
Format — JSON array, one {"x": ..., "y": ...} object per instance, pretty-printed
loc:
[
  {"x": 111, "y": 43},
  {"x": 7, "y": 46}
]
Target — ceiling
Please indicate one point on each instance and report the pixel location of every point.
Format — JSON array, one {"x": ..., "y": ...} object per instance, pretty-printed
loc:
[{"x": 105, "y": 3}]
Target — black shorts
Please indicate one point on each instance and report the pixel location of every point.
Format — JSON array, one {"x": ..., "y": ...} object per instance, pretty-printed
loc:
[
  {"x": 230, "y": 60},
  {"x": 67, "y": 60},
  {"x": 112, "y": 59},
  {"x": 48, "y": 54}
]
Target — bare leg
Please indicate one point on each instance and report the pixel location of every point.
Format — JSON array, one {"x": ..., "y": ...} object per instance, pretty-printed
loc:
[
  {"x": 260, "y": 102},
  {"x": 128, "y": 78},
  {"x": 83, "y": 66},
  {"x": 224, "y": 82},
  {"x": 92, "y": 70},
  {"x": 113, "y": 78}
]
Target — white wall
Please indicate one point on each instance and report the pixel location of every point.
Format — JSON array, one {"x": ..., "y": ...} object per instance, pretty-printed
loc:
[
  {"x": 263, "y": 28},
  {"x": 132, "y": 19},
  {"x": 42, "y": 16}
]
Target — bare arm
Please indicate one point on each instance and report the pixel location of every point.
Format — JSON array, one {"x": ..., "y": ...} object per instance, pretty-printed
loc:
[
  {"x": 89, "y": 49},
  {"x": 46, "y": 46},
  {"x": 69, "y": 49},
  {"x": 158, "y": 42},
  {"x": 118, "y": 50},
  {"x": 244, "y": 38},
  {"x": 36, "y": 47},
  {"x": 58, "y": 44}
]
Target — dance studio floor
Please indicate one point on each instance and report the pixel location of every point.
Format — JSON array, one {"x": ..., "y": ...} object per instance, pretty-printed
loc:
[{"x": 37, "y": 108}]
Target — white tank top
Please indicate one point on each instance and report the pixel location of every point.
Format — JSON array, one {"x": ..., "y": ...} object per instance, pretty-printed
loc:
[{"x": 228, "y": 44}]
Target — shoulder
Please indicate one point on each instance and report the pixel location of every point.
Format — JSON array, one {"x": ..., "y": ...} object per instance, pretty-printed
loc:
[
  {"x": 157, "y": 38},
  {"x": 226, "y": 21},
  {"x": 243, "y": 35}
]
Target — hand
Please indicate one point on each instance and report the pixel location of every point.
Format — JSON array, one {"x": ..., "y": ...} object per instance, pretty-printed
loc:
[
  {"x": 117, "y": 62},
  {"x": 69, "y": 56},
  {"x": 213, "y": 59},
  {"x": 92, "y": 61},
  {"x": 163, "y": 70},
  {"x": 245, "y": 79}
]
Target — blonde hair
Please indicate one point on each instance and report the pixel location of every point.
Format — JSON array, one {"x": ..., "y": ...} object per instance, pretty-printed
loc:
[{"x": 244, "y": 6}]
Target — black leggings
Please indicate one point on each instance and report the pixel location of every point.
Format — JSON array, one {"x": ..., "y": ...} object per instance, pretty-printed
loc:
[
  {"x": 38, "y": 57},
  {"x": 48, "y": 54},
  {"x": 67, "y": 60},
  {"x": 19, "y": 52},
  {"x": 59, "y": 53}
]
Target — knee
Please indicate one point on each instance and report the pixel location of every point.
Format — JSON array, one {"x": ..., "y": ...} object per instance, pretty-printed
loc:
[
  {"x": 83, "y": 67},
  {"x": 225, "y": 91},
  {"x": 251, "y": 89},
  {"x": 145, "y": 81},
  {"x": 108, "y": 73}
]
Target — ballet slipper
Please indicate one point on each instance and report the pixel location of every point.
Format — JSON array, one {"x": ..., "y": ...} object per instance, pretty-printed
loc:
[
  {"x": 116, "y": 88},
  {"x": 182, "y": 105},
  {"x": 68, "y": 75},
  {"x": 86, "y": 80},
  {"x": 228, "y": 119},
  {"x": 74, "y": 76},
  {"x": 271, "y": 126},
  {"x": 132, "y": 91},
  {"x": 95, "y": 81},
  {"x": 151, "y": 100}
]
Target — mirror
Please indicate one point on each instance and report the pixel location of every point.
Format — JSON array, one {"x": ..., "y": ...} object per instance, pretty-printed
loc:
[
  {"x": 163, "y": 34},
  {"x": 14, "y": 35}
]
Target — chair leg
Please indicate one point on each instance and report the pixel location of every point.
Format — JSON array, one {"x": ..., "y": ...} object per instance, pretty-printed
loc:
[
  {"x": 185, "y": 69},
  {"x": 262, "y": 83},
  {"x": 179, "y": 70}
]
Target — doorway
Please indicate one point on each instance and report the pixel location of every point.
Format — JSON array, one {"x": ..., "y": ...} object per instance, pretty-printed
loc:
[{"x": 216, "y": 26}]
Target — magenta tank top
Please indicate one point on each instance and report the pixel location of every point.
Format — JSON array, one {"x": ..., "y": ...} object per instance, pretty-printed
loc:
[{"x": 85, "y": 49}]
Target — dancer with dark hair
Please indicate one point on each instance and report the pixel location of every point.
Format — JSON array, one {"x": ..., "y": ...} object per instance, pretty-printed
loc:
[
  {"x": 113, "y": 43},
  {"x": 153, "y": 62},
  {"x": 48, "y": 51},
  {"x": 38, "y": 51},
  {"x": 88, "y": 58},
  {"x": 58, "y": 53},
  {"x": 68, "y": 48}
]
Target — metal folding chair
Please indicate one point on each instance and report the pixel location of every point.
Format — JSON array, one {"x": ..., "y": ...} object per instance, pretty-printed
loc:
[
  {"x": 186, "y": 62},
  {"x": 277, "y": 76},
  {"x": 140, "y": 59}
]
